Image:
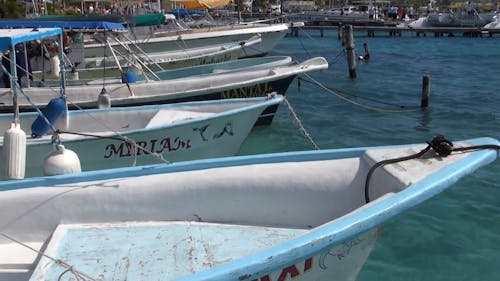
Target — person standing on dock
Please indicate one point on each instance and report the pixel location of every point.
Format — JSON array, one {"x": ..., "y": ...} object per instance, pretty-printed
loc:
[
  {"x": 470, "y": 9},
  {"x": 411, "y": 12}
]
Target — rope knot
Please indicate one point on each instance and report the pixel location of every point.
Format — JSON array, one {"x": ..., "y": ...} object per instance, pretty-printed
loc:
[{"x": 442, "y": 146}]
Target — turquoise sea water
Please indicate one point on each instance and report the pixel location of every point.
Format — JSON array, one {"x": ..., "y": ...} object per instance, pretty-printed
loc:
[{"x": 455, "y": 235}]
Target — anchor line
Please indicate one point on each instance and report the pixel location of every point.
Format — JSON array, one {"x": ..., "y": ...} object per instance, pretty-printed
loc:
[
  {"x": 297, "y": 121},
  {"x": 60, "y": 262},
  {"x": 304, "y": 48},
  {"x": 249, "y": 48},
  {"x": 339, "y": 55},
  {"x": 335, "y": 58},
  {"x": 342, "y": 97},
  {"x": 439, "y": 144},
  {"x": 27, "y": 97},
  {"x": 58, "y": 131}
]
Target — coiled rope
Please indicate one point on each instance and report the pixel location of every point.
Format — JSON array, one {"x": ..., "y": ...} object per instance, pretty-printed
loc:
[{"x": 443, "y": 148}]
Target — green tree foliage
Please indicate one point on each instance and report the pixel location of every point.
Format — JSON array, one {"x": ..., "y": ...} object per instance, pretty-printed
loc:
[
  {"x": 319, "y": 3},
  {"x": 11, "y": 9}
]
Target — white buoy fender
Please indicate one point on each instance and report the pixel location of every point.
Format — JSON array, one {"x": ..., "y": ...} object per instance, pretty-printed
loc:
[
  {"x": 55, "y": 68},
  {"x": 73, "y": 75},
  {"x": 14, "y": 152},
  {"x": 61, "y": 161},
  {"x": 103, "y": 100}
]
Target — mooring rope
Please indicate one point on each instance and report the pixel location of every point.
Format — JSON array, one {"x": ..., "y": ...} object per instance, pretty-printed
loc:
[
  {"x": 69, "y": 268},
  {"x": 26, "y": 96},
  {"x": 58, "y": 131},
  {"x": 297, "y": 121},
  {"x": 335, "y": 58},
  {"x": 342, "y": 97},
  {"x": 304, "y": 48},
  {"x": 441, "y": 146},
  {"x": 42, "y": 82}
]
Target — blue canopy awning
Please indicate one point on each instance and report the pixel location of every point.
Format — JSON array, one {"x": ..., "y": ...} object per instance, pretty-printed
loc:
[
  {"x": 186, "y": 12},
  {"x": 66, "y": 25},
  {"x": 11, "y": 37}
]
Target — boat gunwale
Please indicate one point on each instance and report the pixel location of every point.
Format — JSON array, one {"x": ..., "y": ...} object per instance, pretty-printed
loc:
[
  {"x": 318, "y": 239},
  {"x": 250, "y": 104}
]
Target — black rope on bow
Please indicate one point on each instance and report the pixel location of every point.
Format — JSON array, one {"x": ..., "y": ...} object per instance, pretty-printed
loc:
[
  {"x": 389, "y": 161},
  {"x": 442, "y": 146}
]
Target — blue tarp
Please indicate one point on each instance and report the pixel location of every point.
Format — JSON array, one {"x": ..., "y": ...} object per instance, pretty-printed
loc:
[
  {"x": 10, "y": 37},
  {"x": 67, "y": 25},
  {"x": 179, "y": 13}
]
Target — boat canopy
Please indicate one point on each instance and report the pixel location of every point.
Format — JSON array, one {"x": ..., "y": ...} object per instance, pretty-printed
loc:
[
  {"x": 147, "y": 20},
  {"x": 11, "y": 37},
  {"x": 180, "y": 13},
  {"x": 81, "y": 26},
  {"x": 129, "y": 20},
  {"x": 82, "y": 17},
  {"x": 203, "y": 4}
]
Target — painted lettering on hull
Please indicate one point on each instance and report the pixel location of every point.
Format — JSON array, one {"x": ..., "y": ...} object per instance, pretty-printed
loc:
[
  {"x": 290, "y": 272},
  {"x": 167, "y": 144},
  {"x": 144, "y": 147},
  {"x": 215, "y": 60},
  {"x": 259, "y": 90}
]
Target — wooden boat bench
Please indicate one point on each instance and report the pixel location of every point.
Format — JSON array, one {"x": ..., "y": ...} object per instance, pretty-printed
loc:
[{"x": 146, "y": 250}]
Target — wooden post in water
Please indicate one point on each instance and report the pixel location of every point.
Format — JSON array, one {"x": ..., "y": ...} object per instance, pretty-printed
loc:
[
  {"x": 351, "y": 53},
  {"x": 341, "y": 34},
  {"x": 424, "y": 103}
]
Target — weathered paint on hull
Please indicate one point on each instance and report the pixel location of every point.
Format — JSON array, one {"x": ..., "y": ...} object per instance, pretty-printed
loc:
[{"x": 342, "y": 262}]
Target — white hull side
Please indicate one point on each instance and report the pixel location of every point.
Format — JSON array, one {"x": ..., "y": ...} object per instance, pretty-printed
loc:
[
  {"x": 214, "y": 137},
  {"x": 270, "y": 35},
  {"x": 291, "y": 191},
  {"x": 255, "y": 82},
  {"x": 340, "y": 263}
]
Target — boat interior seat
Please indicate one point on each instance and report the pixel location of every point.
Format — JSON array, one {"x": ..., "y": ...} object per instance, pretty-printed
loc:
[
  {"x": 24, "y": 259},
  {"x": 131, "y": 251}
]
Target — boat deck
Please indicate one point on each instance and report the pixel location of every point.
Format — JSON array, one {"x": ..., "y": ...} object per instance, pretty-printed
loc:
[{"x": 146, "y": 250}]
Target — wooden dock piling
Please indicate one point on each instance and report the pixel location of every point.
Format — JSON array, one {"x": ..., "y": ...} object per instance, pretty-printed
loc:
[
  {"x": 351, "y": 53},
  {"x": 341, "y": 34},
  {"x": 424, "y": 102}
]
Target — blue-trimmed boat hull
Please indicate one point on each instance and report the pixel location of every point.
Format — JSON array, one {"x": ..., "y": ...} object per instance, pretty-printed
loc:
[{"x": 312, "y": 199}]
